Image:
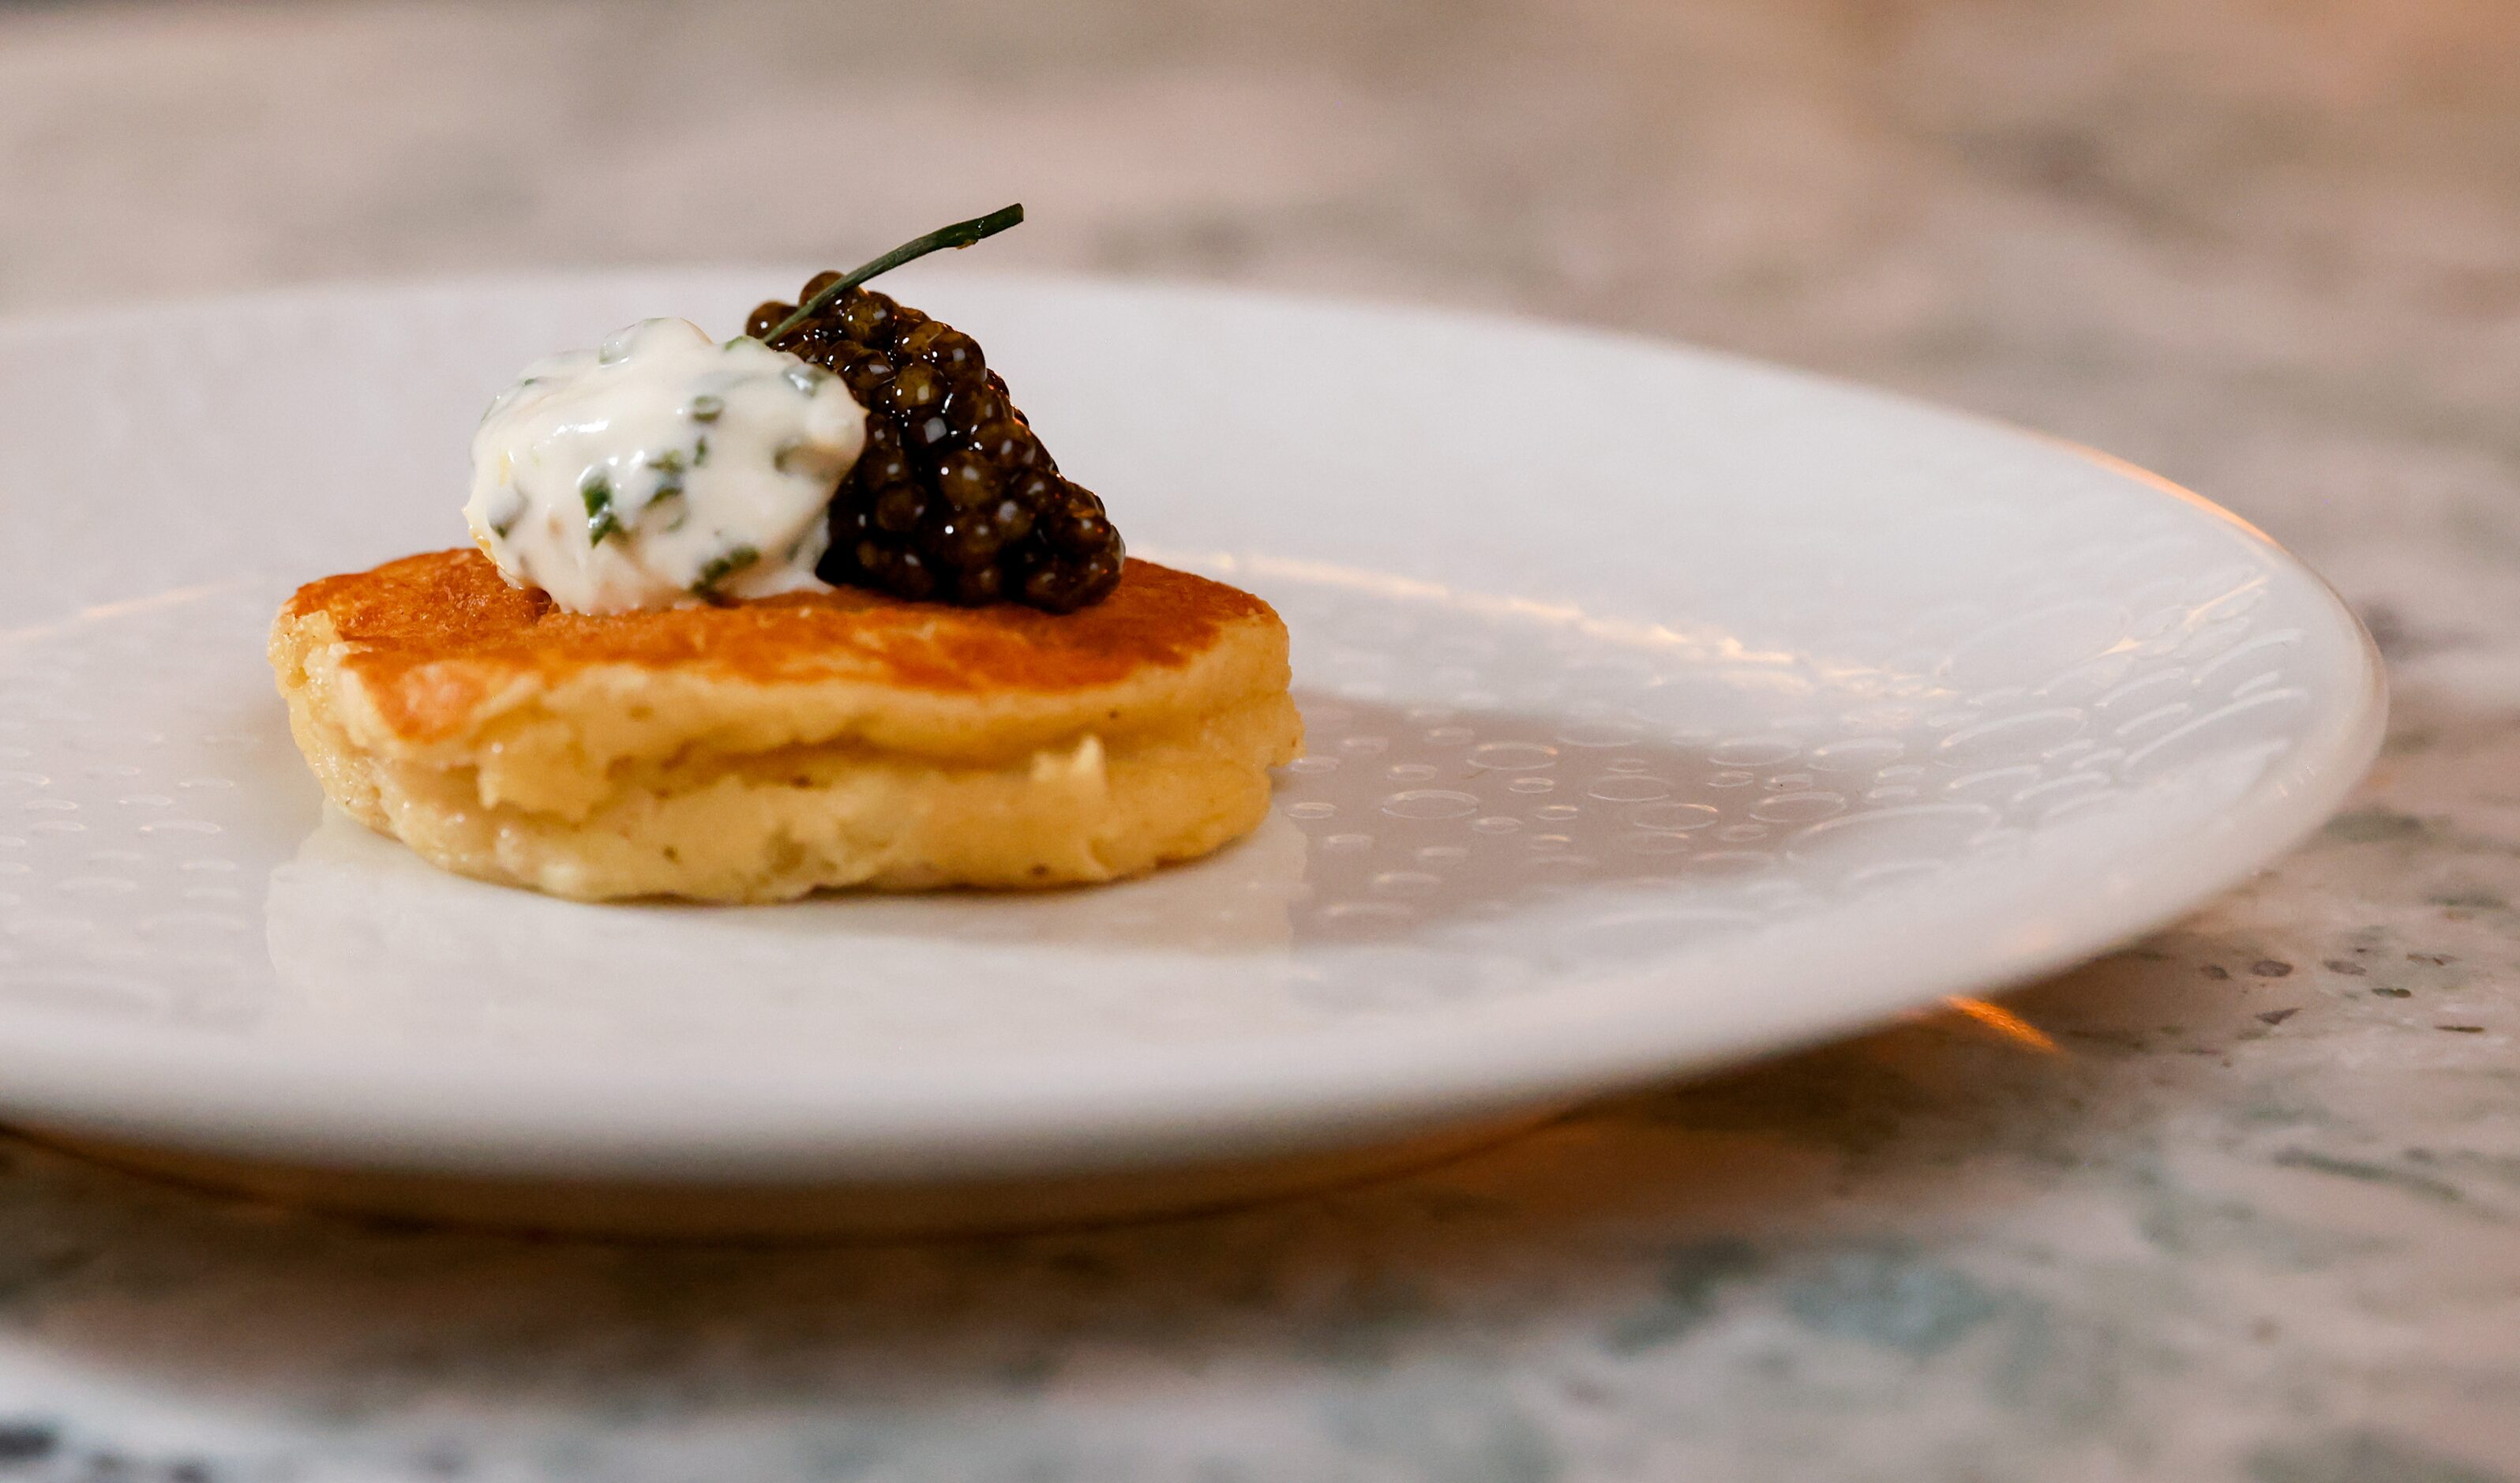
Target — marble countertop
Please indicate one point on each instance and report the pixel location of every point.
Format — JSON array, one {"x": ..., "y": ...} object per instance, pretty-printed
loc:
[{"x": 2257, "y": 1217}]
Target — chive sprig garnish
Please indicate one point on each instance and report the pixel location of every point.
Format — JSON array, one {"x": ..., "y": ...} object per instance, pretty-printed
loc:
[{"x": 961, "y": 234}]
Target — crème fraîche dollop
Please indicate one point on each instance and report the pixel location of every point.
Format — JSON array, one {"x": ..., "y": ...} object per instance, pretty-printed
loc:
[{"x": 662, "y": 469}]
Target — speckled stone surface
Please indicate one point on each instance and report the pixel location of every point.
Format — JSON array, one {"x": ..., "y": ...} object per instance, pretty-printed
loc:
[{"x": 2255, "y": 1217}]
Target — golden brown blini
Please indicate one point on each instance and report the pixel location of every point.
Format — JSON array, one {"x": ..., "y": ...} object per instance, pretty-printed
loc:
[{"x": 758, "y": 752}]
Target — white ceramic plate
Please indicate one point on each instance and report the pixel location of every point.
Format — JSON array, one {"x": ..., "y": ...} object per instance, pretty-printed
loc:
[{"x": 1663, "y": 709}]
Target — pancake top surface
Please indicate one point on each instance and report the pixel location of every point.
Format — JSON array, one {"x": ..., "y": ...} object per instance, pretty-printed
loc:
[{"x": 431, "y": 637}]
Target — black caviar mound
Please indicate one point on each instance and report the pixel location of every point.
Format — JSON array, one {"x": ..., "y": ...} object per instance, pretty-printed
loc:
[{"x": 954, "y": 500}]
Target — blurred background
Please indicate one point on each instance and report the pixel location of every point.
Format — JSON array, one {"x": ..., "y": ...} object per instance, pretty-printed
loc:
[{"x": 2269, "y": 246}]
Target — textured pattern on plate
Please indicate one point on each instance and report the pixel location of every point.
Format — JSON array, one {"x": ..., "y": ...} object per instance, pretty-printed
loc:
[
  {"x": 1814, "y": 698},
  {"x": 1476, "y": 765}
]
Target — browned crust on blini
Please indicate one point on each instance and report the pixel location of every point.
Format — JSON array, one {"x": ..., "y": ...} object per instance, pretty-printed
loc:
[{"x": 851, "y": 738}]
